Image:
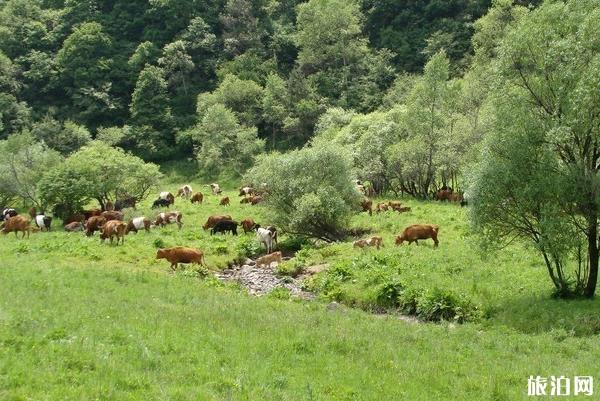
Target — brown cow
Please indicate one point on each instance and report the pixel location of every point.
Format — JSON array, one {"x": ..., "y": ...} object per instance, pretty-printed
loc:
[
  {"x": 418, "y": 231},
  {"x": 94, "y": 224},
  {"x": 112, "y": 215},
  {"x": 443, "y": 195},
  {"x": 402, "y": 209},
  {"x": 33, "y": 212},
  {"x": 16, "y": 224},
  {"x": 109, "y": 206},
  {"x": 87, "y": 214},
  {"x": 168, "y": 218},
  {"x": 248, "y": 225},
  {"x": 268, "y": 259},
  {"x": 138, "y": 223},
  {"x": 74, "y": 218},
  {"x": 367, "y": 205},
  {"x": 74, "y": 226},
  {"x": 394, "y": 204},
  {"x": 224, "y": 201},
  {"x": 212, "y": 220},
  {"x": 180, "y": 254},
  {"x": 197, "y": 198},
  {"x": 113, "y": 228},
  {"x": 255, "y": 199}
]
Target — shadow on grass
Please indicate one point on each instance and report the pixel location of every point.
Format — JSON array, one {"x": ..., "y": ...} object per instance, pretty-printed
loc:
[{"x": 534, "y": 314}]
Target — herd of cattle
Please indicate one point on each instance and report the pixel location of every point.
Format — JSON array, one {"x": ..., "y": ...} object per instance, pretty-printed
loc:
[{"x": 109, "y": 221}]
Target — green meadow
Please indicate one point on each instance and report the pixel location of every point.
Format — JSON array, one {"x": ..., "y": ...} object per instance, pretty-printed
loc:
[{"x": 82, "y": 320}]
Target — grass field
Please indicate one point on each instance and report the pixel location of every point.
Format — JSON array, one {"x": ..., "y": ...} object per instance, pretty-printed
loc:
[{"x": 80, "y": 320}]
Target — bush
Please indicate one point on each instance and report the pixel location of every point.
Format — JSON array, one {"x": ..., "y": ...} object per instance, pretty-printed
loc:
[
  {"x": 388, "y": 294},
  {"x": 440, "y": 305},
  {"x": 291, "y": 268},
  {"x": 310, "y": 190}
]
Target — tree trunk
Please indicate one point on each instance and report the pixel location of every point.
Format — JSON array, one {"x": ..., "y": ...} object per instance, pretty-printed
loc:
[{"x": 592, "y": 237}]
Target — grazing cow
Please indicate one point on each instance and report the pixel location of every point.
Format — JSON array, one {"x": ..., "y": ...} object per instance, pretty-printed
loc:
[
  {"x": 112, "y": 215},
  {"x": 256, "y": 199},
  {"x": 418, "y": 231},
  {"x": 267, "y": 260},
  {"x": 394, "y": 204},
  {"x": 180, "y": 254},
  {"x": 367, "y": 205},
  {"x": 375, "y": 241},
  {"x": 443, "y": 194},
  {"x": 212, "y": 220},
  {"x": 197, "y": 198},
  {"x": 265, "y": 237},
  {"x": 74, "y": 226},
  {"x": 246, "y": 191},
  {"x": 224, "y": 226},
  {"x": 138, "y": 223},
  {"x": 123, "y": 203},
  {"x": 74, "y": 218},
  {"x": 166, "y": 195},
  {"x": 87, "y": 214},
  {"x": 8, "y": 213},
  {"x": 43, "y": 222},
  {"x": 17, "y": 223},
  {"x": 169, "y": 218},
  {"x": 224, "y": 201},
  {"x": 160, "y": 203},
  {"x": 215, "y": 188},
  {"x": 93, "y": 224},
  {"x": 402, "y": 209},
  {"x": 113, "y": 228},
  {"x": 248, "y": 225},
  {"x": 456, "y": 197},
  {"x": 185, "y": 191}
]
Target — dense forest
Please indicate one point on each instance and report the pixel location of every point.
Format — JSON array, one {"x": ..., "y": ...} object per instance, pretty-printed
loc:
[{"x": 143, "y": 74}]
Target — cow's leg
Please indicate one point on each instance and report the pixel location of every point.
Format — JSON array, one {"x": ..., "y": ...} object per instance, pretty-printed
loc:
[{"x": 174, "y": 266}]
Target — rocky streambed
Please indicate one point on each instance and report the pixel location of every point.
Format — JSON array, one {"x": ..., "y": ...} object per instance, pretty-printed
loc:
[{"x": 262, "y": 280}]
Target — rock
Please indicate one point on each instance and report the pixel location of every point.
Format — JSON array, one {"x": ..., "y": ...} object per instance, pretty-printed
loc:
[{"x": 333, "y": 306}]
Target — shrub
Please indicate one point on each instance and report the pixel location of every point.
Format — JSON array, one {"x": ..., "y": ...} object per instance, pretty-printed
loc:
[
  {"x": 308, "y": 196},
  {"x": 388, "y": 293},
  {"x": 290, "y": 268},
  {"x": 440, "y": 305}
]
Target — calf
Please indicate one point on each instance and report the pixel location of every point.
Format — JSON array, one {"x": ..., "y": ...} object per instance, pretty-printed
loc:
[
  {"x": 224, "y": 201},
  {"x": 113, "y": 228},
  {"x": 373, "y": 241},
  {"x": 74, "y": 218},
  {"x": 419, "y": 231},
  {"x": 394, "y": 204},
  {"x": 382, "y": 207},
  {"x": 212, "y": 220},
  {"x": 265, "y": 237},
  {"x": 93, "y": 224},
  {"x": 224, "y": 226},
  {"x": 168, "y": 218},
  {"x": 180, "y": 254},
  {"x": 402, "y": 209},
  {"x": 74, "y": 226},
  {"x": 43, "y": 222},
  {"x": 17, "y": 223},
  {"x": 443, "y": 195},
  {"x": 197, "y": 198},
  {"x": 112, "y": 215},
  {"x": 255, "y": 199},
  {"x": 248, "y": 225},
  {"x": 267, "y": 260},
  {"x": 185, "y": 191},
  {"x": 138, "y": 223}
]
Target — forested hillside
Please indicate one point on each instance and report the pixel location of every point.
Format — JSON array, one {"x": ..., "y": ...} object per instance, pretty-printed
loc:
[{"x": 131, "y": 71}]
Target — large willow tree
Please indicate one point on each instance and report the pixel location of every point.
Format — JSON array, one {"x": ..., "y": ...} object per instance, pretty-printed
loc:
[{"x": 540, "y": 174}]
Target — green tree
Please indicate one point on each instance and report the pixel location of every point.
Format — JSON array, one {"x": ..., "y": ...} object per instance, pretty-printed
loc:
[
  {"x": 241, "y": 28},
  {"x": 23, "y": 164},
  {"x": 308, "y": 196},
  {"x": 177, "y": 64},
  {"x": 145, "y": 53},
  {"x": 275, "y": 105},
  {"x": 221, "y": 142},
  {"x": 97, "y": 172},
  {"x": 64, "y": 137},
  {"x": 539, "y": 177}
]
